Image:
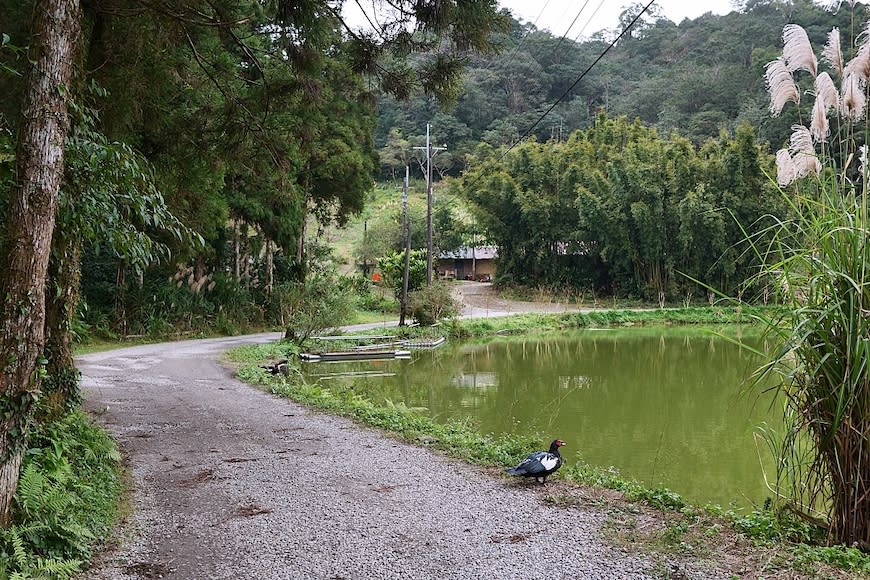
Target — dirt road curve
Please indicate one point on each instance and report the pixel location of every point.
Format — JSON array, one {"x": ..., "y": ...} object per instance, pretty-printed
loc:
[
  {"x": 230, "y": 482},
  {"x": 481, "y": 301}
]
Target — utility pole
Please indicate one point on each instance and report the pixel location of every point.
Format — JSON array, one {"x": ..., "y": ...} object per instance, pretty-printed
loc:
[
  {"x": 365, "y": 264},
  {"x": 474, "y": 251},
  {"x": 430, "y": 151},
  {"x": 406, "y": 233}
]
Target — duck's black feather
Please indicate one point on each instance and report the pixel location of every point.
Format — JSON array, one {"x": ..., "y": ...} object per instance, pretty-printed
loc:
[{"x": 539, "y": 464}]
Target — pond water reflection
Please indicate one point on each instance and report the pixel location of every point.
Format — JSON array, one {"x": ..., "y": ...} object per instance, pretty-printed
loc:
[{"x": 662, "y": 405}]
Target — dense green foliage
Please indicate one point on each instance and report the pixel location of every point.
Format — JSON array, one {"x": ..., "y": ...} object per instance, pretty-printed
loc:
[
  {"x": 697, "y": 77},
  {"x": 392, "y": 266},
  {"x": 431, "y": 304},
  {"x": 320, "y": 302},
  {"x": 620, "y": 210},
  {"x": 254, "y": 123},
  {"x": 66, "y": 501}
]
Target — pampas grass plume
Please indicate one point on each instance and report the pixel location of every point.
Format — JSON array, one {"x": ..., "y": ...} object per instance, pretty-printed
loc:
[
  {"x": 780, "y": 85},
  {"x": 853, "y": 102},
  {"x": 860, "y": 65},
  {"x": 824, "y": 87},
  {"x": 807, "y": 164},
  {"x": 833, "y": 54},
  {"x": 785, "y": 169},
  {"x": 801, "y": 140},
  {"x": 819, "y": 126},
  {"x": 797, "y": 50}
]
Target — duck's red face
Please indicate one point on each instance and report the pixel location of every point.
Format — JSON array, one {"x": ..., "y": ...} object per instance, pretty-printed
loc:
[{"x": 559, "y": 442}]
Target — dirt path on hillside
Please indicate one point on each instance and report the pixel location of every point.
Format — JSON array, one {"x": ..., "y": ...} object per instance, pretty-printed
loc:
[{"x": 229, "y": 482}]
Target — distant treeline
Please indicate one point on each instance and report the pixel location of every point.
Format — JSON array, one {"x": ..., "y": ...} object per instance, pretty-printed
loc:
[{"x": 696, "y": 78}]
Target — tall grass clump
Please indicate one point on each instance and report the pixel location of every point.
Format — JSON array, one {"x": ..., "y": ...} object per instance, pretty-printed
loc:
[{"x": 819, "y": 263}]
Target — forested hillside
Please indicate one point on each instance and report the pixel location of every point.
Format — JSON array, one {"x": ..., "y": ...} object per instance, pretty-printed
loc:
[{"x": 697, "y": 77}]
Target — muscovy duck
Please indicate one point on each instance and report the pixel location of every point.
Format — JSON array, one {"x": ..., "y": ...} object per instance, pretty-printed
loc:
[{"x": 540, "y": 464}]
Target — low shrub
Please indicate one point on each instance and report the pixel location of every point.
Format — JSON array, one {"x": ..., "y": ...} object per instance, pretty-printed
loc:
[
  {"x": 319, "y": 303},
  {"x": 431, "y": 304}
]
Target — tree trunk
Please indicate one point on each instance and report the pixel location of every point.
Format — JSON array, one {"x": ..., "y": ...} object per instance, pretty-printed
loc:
[
  {"x": 39, "y": 168},
  {"x": 245, "y": 256},
  {"x": 121, "y": 297},
  {"x": 236, "y": 252},
  {"x": 61, "y": 385},
  {"x": 300, "y": 243},
  {"x": 270, "y": 268}
]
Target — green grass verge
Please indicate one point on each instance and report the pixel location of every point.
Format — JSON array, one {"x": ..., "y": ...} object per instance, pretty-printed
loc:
[
  {"x": 66, "y": 501},
  {"x": 524, "y": 323},
  {"x": 455, "y": 438},
  {"x": 370, "y": 316}
]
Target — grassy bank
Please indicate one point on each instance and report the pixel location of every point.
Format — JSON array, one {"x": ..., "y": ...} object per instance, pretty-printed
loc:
[
  {"x": 524, "y": 323},
  {"x": 66, "y": 501},
  {"x": 784, "y": 542}
]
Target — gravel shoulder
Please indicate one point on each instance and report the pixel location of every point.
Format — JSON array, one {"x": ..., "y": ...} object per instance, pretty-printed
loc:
[{"x": 231, "y": 482}]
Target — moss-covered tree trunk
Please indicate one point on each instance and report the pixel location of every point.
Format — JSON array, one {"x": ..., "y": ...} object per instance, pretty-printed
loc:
[
  {"x": 61, "y": 384},
  {"x": 39, "y": 168}
]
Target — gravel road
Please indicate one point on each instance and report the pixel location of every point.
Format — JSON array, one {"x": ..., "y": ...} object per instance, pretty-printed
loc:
[
  {"x": 479, "y": 300},
  {"x": 231, "y": 482}
]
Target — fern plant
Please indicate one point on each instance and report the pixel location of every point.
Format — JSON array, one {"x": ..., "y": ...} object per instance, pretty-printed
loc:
[
  {"x": 65, "y": 501},
  {"x": 18, "y": 562},
  {"x": 49, "y": 504}
]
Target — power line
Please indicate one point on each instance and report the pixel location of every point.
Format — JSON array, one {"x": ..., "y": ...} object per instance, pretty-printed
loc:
[
  {"x": 574, "y": 84},
  {"x": 534, "y": 25},
  {"x": 512, "y": 55},
  {"x": 588, "y": 22},
  {"x": 580, "y": 78},
  {"x": 573, "y": 22}
]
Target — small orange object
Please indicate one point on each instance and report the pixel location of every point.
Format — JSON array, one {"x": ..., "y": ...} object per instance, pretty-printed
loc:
[{"x": 376, "y": 277}]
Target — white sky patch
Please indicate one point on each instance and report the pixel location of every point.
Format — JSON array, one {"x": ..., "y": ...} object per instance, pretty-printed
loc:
[
  {"x": 557, "y": 15},
  {"x": 596, "y": 15}
]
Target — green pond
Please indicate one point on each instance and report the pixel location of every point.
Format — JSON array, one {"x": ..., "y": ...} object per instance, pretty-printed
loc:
[{"x": 664, "y": 406}]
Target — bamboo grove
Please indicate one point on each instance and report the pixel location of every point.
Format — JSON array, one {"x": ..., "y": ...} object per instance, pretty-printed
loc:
[{"x": 619, "y": 210}]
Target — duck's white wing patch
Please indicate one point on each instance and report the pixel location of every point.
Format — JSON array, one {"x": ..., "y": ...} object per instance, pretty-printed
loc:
[{"x": 549, "y": 461}]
